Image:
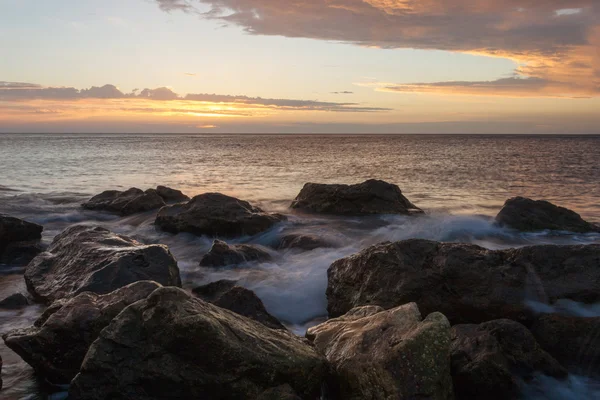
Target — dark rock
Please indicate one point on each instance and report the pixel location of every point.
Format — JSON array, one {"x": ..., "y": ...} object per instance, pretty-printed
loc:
[
  {"x": 492, "y": 360},
  {"x": 226, "y": 294},
  {"x": 215, "y": 214},
  {"x": 59, "y": 340},
  {"x": 93, "y": 259},
  {"x": 392, "y": 354},
  {"x": 367, "y": 198},
  {"x": 574, "y": 341},
  {"x": 465, "y": 282},
  {"x": 129, "y": 202},
  {"x": 303, "y": 242},
  {"x": 14, "y": 301},
  {"x": 20, "y": 253},
  {"x": 18, "y": 240},
  {"x": 172, "y": 345},
  {"x": 283, "y": 392},
  {"x": 531, "y": 215},
  {"x": 171, "y": 195},
  {"x": 221, "y": 254},
  {"x": 0, "y": 372}
]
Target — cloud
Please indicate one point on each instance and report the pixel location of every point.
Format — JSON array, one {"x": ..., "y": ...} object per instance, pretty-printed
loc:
[
  {"x": 23, "y": 92},
  {"x": 544, "y": 37},
  {"x": 344, "y": 92}
]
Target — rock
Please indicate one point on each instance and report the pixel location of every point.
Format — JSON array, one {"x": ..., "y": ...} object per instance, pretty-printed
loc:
[
  {"x": 226, "y": 294},
  {"x": 283, "y": 392},
  {"x": 392, "y": 354},
  {"x": 215, "y": 214},
  {"x": 14, "y": 301},
  {"x": 93, "y": 259},
  {"x": 18, "y": 240},
  {"x": 573, "y": 341},
  {"x": 57, "y": 343},
  {"x": 129, "y": 202},
  {"x": 221, "y": 254},
  {"x": 0, "y": 372},
  {"x": 465, "y": 282},
  {"x": 171, "y": 195},
  {"x": 172, "y": 345},
  {"x": 492, "y": 360},
  {"x": 303, "y": 242},
  {"x": 531, "y": 215},
  {"x": 367, "y": 198}
]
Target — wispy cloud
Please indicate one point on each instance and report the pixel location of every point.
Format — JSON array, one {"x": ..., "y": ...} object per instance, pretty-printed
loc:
[{"x": 344, "y": 92}]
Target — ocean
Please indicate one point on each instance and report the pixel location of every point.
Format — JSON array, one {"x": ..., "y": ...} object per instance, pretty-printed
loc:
[{"x": 461, "y": 181}]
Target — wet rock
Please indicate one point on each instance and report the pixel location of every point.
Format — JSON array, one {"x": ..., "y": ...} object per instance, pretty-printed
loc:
[
  {"x": 283, "y": 392},
  {"x": 226, "y": 294},
  {"x": 172, "y": 345},
  {"x": 221, "y": 254},
  {"x": 573, "y": 341},
  {"x": 18, "y": 240},
  {"x": 214, "y": 214},
  {"x": 367, "y": 198},
  {"x": 93, "y": 259},
  {"x": 393, "y": 354},
  {"x": 129, "y": 202},
  {"x": 467, "y": 283},
  {"x": 14, "y": 301},
  {"x": 0, "y": 372},
  {"x": 530, "y": 215},
  {"x": 303, "y": 242},
  {"x": 57, "y": 343},
  {"x": 492, "y": 360},
  {"x": 171, "y": 195}
]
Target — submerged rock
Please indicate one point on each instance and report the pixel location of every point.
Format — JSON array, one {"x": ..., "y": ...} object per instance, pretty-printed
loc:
[
  {"x": 129, "y": 202},
  {"x": 93, "y": 259},
  {"x": 367, "y": 198},
  {"x": 467, "y": 283},
  {"x": 57, "y": 343},
  {"x": 303, "y": 242},
  {"x": 531, "y": 215},
  {"x": 19, "y": 240},
  {"x": 214, "y": 214},
  {"x": 393, "y": 354},
  {"x": 14, "y": 301},
  {"x": 171, "y": 195},
  {"x": 221, "y": 254},
  {"x": 492, "y": 360},
  {"x": 226, "y": 294},
  {"x": 574, "y": 341},
  {"x": 172, "y": 345}
]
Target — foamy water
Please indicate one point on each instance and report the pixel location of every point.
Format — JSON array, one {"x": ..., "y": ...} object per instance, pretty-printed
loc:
[{"x": 461, "y": 182}]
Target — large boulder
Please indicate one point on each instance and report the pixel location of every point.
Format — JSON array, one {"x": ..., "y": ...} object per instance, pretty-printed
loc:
[
  {"x": 215, "y": 214},
  {"x": 537, "y": 215},
  {"x": 57, "y": 343},
  {"x": 392, "y": 354},
  {"x": 574, "y": 341},
  {"x": 173, "y": 345},
  {"x": 129, "y": 202},
  {"x": 19, "y": 240},
  {"x": 222, "y": 254},
  {"x": 171, "y": 195},
  {"x": 494, "y": 359},
  {"x": 226, "y": 294},
  {"x": 94, "y": 259},
  {"x": 465, "y": 282},
  {"x": 367, "y": 198}
]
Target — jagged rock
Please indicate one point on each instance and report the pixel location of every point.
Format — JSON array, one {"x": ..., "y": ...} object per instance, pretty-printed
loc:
[
  {"x": 171, "y": 195},
  {"x": 221, "y": 254},
  {"x": 215, "y": 214},
  {"x": 18, "y": 240},
  {"x": 492, "y": 360},
  {"x": 93, "y": 259},
  {"x": 303, "y": 242},
  {"x": 573, "y": 341},
  {"x": 14, "y": 301},
  {"x": 129, "y": 202},
  {"x": 57, "y": 343},
  {"x": 226, "y": 294},
  {"x": 172, "y": 345},
  {"x": 367, "y": 198},
  {"x": 531, "y": 215},
  {"x": 393, "y": 354},
  {"x": 465, "y": 282}
]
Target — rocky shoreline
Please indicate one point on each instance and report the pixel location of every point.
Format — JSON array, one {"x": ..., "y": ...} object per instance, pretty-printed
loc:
[{"x": 408, "y": 319}]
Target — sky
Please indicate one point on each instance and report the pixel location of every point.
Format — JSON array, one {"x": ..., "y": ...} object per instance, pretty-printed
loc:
[{"x": 300, "y": 66}]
